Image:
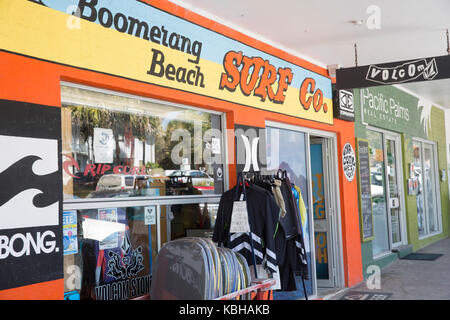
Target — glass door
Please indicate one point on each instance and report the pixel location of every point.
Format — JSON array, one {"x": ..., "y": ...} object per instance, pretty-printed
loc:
[
  {"x": 380, "y": 243},
  {"x": 393, "y": 187},
  {"x": 430, "y": 188},
  {"x": 322, "y": 220},
  {"x": 386, "y": 179}
]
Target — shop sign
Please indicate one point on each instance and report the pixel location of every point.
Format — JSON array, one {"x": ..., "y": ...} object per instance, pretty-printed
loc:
[
  {"x": 135, "y": 40},
  {"x": 407, "y": 71},
  {"x": 388, "y": 107},
  {"x": 349, "y": 161},
  {"x": 250, "y": 148},
  {"x": 344, "y": 107},
  {"x": 30, "y": 195}
]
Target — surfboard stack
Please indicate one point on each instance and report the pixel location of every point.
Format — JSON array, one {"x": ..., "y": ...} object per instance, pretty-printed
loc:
[{"x": 196, "y": 269}]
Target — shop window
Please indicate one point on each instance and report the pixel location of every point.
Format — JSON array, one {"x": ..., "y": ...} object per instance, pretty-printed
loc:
[
  {"x": 119, "y": 146},
  {"x": 424, "y": 171},
  {"x": 156, "y": 173},
  {"x": 110, "y": 253}
]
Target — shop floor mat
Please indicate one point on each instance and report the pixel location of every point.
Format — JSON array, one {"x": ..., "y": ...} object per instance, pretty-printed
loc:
[{"x": 422, "y": 256}]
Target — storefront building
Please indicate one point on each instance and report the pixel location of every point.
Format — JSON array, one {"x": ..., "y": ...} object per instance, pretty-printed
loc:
[
  {"x": 403, "y": 139},
  {"x": 123, "y": 122}
]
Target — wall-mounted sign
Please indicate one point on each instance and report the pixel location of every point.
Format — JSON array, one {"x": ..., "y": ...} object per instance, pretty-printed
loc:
[
  {"x": 250, "y": 145},
  {"x": 349, "y": 161},
  {"x": 137, "y": 40},
  {"x": 389, "y": 107},
  {"x": 422, "y": 69},
  {"x": 31, "y": 231},
  {"x": 343, "y": 106},
  {"x": 364, "y": 187}
]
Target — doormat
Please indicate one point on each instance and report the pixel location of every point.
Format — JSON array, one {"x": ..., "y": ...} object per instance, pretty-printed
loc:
[
  {"x": 422, "y": 256},
  {"x": 357, "y": 295}
]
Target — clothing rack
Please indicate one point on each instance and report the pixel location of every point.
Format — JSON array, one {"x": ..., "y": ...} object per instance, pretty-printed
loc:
[
  {"x": 257, "y": 177},
  {"x": 258, "y": 286}
]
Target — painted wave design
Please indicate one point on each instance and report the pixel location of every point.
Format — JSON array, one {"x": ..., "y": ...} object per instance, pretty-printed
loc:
[{"x": 20, "y": 177}]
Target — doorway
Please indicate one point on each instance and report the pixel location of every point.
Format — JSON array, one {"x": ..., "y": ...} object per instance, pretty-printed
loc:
[
  {"x": 323, "y": 213},
  {"x": 310, "y": 158},
  {"x": 386, "y": 189}
]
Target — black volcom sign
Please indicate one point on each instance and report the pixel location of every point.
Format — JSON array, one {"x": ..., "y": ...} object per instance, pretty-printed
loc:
[
  {"x": 403, "y": 73},
  {"x": 422, "y": 69}
]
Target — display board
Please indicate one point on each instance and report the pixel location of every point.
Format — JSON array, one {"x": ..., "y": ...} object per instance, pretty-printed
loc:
[{"x": 365, "y": 197}]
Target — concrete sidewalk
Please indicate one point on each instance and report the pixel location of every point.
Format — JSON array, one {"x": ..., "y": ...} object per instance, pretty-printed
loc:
[{"x": 413, "y": 279}]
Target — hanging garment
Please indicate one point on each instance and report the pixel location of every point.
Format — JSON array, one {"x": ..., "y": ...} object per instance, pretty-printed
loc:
[
  {"x": 295, "y": 261},
  {"x": 302, "y": 208},
  {"x": 263, "y": 214},
  {"x": 290, "y": 221},
  {"x": 278, "y": 196}
]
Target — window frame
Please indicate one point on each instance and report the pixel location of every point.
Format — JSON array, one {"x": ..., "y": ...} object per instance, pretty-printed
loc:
[
  {"x": 98, "y": 203},
  {"x": 224, "y": 144},
  {"x": 433, "y": 145}
]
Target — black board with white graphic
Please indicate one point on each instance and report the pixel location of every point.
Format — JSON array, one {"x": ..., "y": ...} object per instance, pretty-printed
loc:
[
  {"x": 407, "y": 71},
  {"x": 364, "y": 185},
  {"x": 30, "y": 194},
  {"x": 250, "y": 144},
  {"x": 343, "y": 106}
]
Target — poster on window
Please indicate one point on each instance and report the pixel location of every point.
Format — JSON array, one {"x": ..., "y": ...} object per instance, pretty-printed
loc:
[
  {"x": 103, "y": 145},
  {"x": 111, "y": 241},
  {"x": 70, "y": 241}
]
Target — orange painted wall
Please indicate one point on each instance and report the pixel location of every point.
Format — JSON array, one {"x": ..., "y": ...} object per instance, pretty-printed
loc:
[
  {"x": 35, "y": 81},
  {"x": 50, "y": 290}
]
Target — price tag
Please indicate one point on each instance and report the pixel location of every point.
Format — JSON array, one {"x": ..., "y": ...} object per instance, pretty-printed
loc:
[
  {"x": 239, "y": 217},
  {"x": 276, "y": 276},
  {"x": 215, "y": 146}
]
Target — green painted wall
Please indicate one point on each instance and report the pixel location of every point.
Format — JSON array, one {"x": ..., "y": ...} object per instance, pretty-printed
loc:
[{"x": 392, "y": 109}]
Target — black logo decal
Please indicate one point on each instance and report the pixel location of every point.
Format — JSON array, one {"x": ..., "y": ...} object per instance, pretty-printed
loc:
[
  {"x": 126, "y": 267},
  {"x": 20, "y": 177}
]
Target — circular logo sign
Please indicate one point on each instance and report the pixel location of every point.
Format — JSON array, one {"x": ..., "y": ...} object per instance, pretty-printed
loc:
[{"x": 349, "y": 161}]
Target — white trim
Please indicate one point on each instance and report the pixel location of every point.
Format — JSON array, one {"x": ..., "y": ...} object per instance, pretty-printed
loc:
[
  {"x": 430, "y": 235},
  {"x": 97, "y": 203},
  {"x": 158, "y": 228}
]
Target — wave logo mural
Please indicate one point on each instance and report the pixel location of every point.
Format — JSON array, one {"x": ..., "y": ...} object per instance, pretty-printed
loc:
[{"x": 28, "y": 178}]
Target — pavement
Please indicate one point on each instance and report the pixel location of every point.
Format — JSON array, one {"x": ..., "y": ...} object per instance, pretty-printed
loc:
[{"x": 410, "y": 279}]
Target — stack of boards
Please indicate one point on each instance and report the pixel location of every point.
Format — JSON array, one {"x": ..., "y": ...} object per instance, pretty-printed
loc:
[{"x": 196, "y": 269}]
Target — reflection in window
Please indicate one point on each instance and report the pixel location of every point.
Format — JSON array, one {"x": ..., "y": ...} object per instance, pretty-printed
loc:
[
  {"x": 286, "y": 150},
  {"x": 380, "y": 243},
  {"x": 115, "y": 146},
  {"x": 109, "y": 253},
  {"x": 424, "y": 170}
]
